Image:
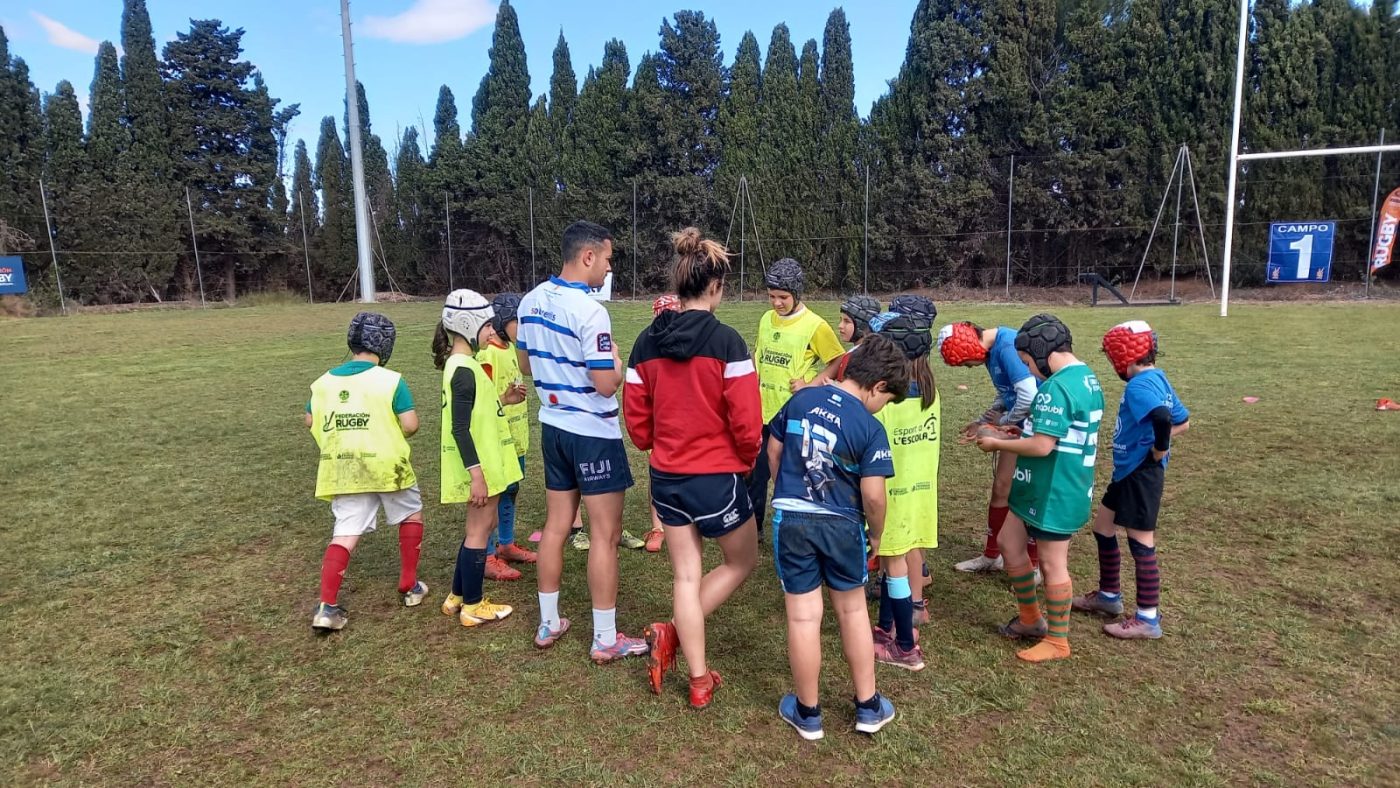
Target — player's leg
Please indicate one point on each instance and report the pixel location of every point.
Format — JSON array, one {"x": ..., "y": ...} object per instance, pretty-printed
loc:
[
  {"x": 1012, "y": 541},
  {"x": 739, "y": 550},
  {"x": 804, "y": 623},
  {"x": 841, "y": 549},
  {"x": 354, "y": 515},
  {"x": 404, "y": 509},
  {"x": 922, "y": 580},
  {"x": 603, "y": 489},
  {"x": 688, "y": 615},
  {"x": 476, "y": 608},
  {"x": 799, "y": 572},
  {"x": 1054, "y": 553},
  {"x": 1142, "y": 501},
  {"x": 896, "y": 640},
  {"x": 1107, "y": 598},
  {"x": 1003, "y": 473},
  {"x": 561, "y": 506}
]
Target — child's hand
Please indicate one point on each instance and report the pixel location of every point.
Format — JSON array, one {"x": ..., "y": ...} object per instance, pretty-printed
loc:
[
  {"x": 1158, "y": 455},
  {"x": 478, "y": 493},
  {"x": 988, "y": 443},
  {"x": 514, "y": 395},
  {"x": 795, "y": 384}
]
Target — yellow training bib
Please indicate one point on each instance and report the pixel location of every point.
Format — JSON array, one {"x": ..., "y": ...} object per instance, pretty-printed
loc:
[
  {"x": 362, "y": 446},
  {"x": 782, "y": 353},
  {"x": 490, "y": 434}
]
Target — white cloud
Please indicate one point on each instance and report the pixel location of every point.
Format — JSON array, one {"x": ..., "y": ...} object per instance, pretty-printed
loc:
[
  {"x": 60, "y": 35},
  {"x": 432, "y": 21}
]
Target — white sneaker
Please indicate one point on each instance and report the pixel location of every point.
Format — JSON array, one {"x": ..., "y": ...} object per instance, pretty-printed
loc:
[
  {"x": 981, "y": 564},
  {"x": 1039, "y": 578}
]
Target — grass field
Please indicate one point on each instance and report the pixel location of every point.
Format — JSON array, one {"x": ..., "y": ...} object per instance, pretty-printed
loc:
[{"x": 161, "y": 549}]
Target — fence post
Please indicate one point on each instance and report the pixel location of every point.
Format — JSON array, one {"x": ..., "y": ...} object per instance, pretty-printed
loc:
[
  {"x": 305, "y": 252},
  {"x": 634, "y": 239},
  {"x": 865, "y": 259},
  {"x": 1010, "y": 192},
  {"x": 447, "y": 212},
  {"x": 53, "y": 252},
  {"x": 199, "y": 272},
  {"x": 1375, "y": 204},
  {"x": 533, "y": 279}
]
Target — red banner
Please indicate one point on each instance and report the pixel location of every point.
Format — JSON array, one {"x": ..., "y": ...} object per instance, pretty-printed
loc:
[{"x": 1386, "y": 232}]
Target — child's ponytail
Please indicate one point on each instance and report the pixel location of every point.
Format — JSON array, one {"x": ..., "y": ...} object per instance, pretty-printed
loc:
[{"x": 442, "y": 346}]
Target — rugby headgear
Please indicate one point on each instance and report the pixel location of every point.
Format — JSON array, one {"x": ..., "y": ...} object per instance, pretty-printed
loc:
[
  {"x": 371, "y": 332},
  {"x": 959, "y": 343},
  {"x": 503, "y": 311},
  {"x": 906, "y": 333},
  {"x": 665, "y": 303},
  {"x": 860, "y": 309},
  {"x": 465, "y": 312},
  {"x": 1128, "y": 343},
  {"x": 1040, "y": 336},
  {"x": 918, "y": 307},
  {"x": 786, "y": 274}
]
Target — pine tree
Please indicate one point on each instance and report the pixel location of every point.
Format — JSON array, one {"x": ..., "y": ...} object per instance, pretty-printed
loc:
[
  {"x": 65, "y": 180},
  {"x": 563, "y": 97},
  {"x": 224, "y": 145},
  {"x": 447, "y": 133},
  {"x": 690, "y": 68},
  {"x": 151, "y": 215},
  {"x": 335, "y": 240}
]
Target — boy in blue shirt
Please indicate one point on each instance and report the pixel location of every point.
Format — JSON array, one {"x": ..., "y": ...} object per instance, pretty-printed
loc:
[
  {"x": 1149, "y": 416},
  {"x": 830, "y": 459}
]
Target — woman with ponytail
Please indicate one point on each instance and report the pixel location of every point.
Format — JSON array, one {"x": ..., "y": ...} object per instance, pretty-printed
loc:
[{"x": 691, "y": 400}]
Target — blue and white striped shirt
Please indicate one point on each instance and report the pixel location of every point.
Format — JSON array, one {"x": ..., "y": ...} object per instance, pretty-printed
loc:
[{"x": 566, "y": 333}]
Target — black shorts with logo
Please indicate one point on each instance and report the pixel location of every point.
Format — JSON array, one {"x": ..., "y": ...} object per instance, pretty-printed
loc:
[
  {"x": 1136, "y": 499},
  {"x": 716, "y": 503},
  {"x": 593, "y": 466}
]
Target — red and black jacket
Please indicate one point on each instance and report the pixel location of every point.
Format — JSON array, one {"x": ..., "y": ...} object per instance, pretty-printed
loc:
[{"x": 691, "y": 396}]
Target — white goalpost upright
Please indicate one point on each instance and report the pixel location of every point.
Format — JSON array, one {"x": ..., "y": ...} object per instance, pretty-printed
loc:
[{"x": 1236, "y": 157}]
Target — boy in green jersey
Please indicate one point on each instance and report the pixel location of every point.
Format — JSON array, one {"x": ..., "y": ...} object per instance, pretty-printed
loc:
[
  {"x": 496, "y": 350},
  {"x": 1051, "y": 495},
  {"x": 361, "y": 415}
]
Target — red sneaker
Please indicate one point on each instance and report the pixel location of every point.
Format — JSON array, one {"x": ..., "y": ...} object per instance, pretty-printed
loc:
[
  {"x": 702, "y": 690},
  {"x": 496, "y": 569},
  {"x": 655, "y": 538},
  {"x": 515, "y": 554},
  {"x": 662, "y": 639}
]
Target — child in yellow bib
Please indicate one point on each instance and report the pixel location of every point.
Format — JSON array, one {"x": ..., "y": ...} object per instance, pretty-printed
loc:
[
  {"x": 361, "y": 416},
  {"x": 479, "y": 461},
  {"x": 911, "y": 518},
  {"x": 502, "y": 364},
  {"x": 794, "y": 347}
]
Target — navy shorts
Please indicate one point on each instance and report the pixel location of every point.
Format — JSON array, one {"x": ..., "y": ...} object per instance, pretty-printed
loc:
[
  {"x": 1136, "y": 499},
  {"x": 593, "y": 466},
  {"x": 812, "y": 549},
  {"x": 716, "y": 503}
]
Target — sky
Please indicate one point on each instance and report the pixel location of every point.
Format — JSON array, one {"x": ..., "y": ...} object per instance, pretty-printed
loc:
[{"x": 406, "y": 49}]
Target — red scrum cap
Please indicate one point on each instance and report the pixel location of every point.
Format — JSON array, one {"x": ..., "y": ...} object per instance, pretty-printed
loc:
[
  {"x": 664, "y": 303},
  {"x": 959, "y": 343},
  {"x": 1128, "y": 343}
]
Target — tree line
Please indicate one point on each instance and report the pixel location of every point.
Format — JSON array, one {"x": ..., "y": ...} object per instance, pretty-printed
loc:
[{"x": 1081, "y": 104}]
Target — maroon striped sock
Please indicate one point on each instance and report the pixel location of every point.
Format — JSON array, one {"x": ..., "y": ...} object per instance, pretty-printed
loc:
[
  {"x": 1149, "y": 582},
  {"x": 1110, "y": 561}
]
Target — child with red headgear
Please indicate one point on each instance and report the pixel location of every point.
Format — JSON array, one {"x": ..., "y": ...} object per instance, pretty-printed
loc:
[
  {"x": 1149, "y": 416},
  {"x": 970, "y": 345}
]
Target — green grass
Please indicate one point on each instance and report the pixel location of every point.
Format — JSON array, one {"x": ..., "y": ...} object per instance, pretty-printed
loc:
[{"x": 161, "y": 549}]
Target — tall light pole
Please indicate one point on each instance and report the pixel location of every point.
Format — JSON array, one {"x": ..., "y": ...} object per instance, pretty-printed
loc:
[{"x": 357, "y": 162}]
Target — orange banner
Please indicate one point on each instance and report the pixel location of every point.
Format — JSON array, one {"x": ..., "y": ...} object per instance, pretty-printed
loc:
[{"x": 1386, "y": 232}]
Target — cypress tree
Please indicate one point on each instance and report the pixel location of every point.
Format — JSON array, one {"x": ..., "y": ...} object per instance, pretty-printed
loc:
[
  {"x": 738, "y": 121},
  {"x": 418, "y": 214},
  {"x": 379, "y": 183},
  {"x": 110, "y": 277},
  {"x": 65, "y": 179},
  {"x": 838, "y": 176},
  {"x": 563, "y": 97},
  {"x": 595, "y": 168},
  {"x": 22, "y": 144},
  {"x": 778, "y": 173},
  {"x": 152, "y": 216},
  {"x": 447, "y": 133},
  {"x": 335, "y": 240},
  {"x": 303, "y": 209},
  {"x": 690, "y": 68}
]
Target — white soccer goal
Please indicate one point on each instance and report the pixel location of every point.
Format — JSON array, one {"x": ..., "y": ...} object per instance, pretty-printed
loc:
[{"x": 1236, "y": 157}]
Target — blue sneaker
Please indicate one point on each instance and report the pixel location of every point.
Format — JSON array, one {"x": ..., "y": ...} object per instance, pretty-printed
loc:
[
  {"x": 809, "y": 728},
  {"x": 868, "y": 721}
]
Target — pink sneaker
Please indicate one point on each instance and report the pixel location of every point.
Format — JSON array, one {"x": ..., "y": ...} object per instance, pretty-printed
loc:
[
  {"x": 1134, "y": 628},
  {"x": 545, "y": 637},
  {"x": 623, "y": 647}
]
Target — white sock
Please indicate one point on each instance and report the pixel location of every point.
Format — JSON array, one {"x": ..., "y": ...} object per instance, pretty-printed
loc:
[
  {"x": 549, "y": 609},
  {"x": 1147, "y": 613},
  {"x": 605, "y": 626}
]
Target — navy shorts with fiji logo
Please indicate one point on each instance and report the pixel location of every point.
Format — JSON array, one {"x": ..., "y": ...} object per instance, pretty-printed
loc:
[
  {"x": 593, "y": 466},
  {"x": 716, "y": 503}
]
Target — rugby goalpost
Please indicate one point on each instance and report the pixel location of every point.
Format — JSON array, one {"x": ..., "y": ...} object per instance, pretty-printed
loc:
[{"x": 1236, "y": 157}]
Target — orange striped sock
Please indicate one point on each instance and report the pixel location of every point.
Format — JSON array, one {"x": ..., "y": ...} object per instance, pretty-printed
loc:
[
  {"x": 1023, "y": 587},
  {"x": 1055, "y": 645}
]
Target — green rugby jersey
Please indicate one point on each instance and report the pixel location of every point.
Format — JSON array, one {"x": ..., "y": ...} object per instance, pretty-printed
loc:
[{"x": 1055, "y": 492}]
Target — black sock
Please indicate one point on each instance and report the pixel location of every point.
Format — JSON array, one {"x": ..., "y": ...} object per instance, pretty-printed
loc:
[
  {"x": 808, "y": 711},
  {"x": 922, "y": 604},
  {"x": 473, "y": 574},
  {"x": 873, "y": 704},
  {"x": 886, "y": 617},
  {"x": 459, "y": 572}
]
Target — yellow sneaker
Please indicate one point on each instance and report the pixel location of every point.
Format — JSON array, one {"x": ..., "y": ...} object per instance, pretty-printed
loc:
[
  {"x": 482, "y": 612},
  {"x": 452, "y": 605}
]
